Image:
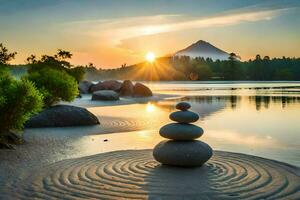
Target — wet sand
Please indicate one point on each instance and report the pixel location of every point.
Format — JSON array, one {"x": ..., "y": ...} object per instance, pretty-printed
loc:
[{"x": 108, "y": 162}]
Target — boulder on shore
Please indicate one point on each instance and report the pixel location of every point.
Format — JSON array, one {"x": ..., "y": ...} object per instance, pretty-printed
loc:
[
  {"x": 84, "y": 87},
  {"x": 61, "y": 116},
  {"x": 140, "y": 90},
  {"x": 107, "y": 85},
  {"x": 126, "y": 88},
  {"x": 105, "y": 95}
]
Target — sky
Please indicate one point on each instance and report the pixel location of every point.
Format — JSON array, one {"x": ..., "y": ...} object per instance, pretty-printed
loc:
[{"x": 111, "y": 33}]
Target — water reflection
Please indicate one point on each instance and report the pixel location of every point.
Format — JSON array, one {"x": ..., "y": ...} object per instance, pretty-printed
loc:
[
  {"x": 150, "y": 107},
  {"x": 233, "y": 101},
  {"x": 265, "y": 101}
]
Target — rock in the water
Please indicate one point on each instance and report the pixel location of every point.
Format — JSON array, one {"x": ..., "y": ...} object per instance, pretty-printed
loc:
[
  {"x": 126, "y": 88},
  {"x": 84, "y": 87},
  {"x": 177, "y": 131},
  {"x": 185, "y": 153},
  {"x": 184, "y": 116},
  {"x": 107, "y": 85},
  {"x": 140, "y": 90},
  {"x": 62, "y": 115},
  {"x": 105, "y": 95},
  {"x": 183, "y": 106}
]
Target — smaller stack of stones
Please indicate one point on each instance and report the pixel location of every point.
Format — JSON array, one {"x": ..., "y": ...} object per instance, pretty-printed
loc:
[{"x": 182, "y": 149}]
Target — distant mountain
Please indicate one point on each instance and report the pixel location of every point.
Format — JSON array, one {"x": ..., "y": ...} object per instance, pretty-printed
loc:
[{"x": 203, "y": 49}]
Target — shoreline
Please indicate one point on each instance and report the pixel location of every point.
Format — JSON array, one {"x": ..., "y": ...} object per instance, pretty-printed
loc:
[{"x": 86, "y": 101}]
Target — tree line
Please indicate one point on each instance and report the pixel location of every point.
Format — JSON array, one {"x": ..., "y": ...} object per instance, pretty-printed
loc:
[
  {"x": 261, "y": 68},
  {"x": 186, "y": 68}
]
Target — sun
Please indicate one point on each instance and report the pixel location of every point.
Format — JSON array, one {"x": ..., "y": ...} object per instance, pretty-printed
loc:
[{"x": 150, "y": 57}]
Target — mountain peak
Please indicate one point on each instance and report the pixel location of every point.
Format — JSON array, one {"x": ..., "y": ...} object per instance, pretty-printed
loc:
[
  {"x": 201, "y": 42},
  {"x": 203, "y": 49}
]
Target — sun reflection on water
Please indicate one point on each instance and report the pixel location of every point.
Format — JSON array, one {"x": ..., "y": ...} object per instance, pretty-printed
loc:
[
  {"x": 150, "y": 107},
  {"x": 144, "y": 135}
]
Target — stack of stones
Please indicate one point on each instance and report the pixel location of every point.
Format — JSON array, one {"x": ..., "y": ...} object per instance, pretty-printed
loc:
[{"x": 182, "y": 149}]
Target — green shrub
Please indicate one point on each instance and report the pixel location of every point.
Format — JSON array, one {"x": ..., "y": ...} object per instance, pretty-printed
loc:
[
  {"x": 57, "y": 62},
  {"x": 55, "y": 85},
  {"x": 77, "y": 73},
  {"x": 19, "y": 99}
]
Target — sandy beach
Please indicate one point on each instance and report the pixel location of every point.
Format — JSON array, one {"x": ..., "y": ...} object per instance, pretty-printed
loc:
[{"x": 114, "y": 160}]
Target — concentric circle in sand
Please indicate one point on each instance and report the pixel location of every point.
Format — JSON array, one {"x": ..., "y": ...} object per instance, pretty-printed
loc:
[{"x": 135, "y": 175}]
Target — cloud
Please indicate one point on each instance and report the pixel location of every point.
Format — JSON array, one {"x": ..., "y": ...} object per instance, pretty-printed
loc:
[
  {"x": 116, "y": 30},
  {"x": 126, "y": 20}
]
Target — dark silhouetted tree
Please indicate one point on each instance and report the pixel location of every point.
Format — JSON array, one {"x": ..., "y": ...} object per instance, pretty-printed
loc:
[
  {"x": 31, "y": 59},
  {"x": 63, "y": 55},
  {"x": 6, "y": 56}
]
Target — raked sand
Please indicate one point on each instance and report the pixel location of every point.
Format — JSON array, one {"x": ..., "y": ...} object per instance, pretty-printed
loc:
[{"x": 135, "y": 175}]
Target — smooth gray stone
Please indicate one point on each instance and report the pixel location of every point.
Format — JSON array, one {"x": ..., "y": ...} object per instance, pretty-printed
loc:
[
  {"x": 105, "y": 95},
  {"x": 107, "y": 85},
  {"x": 184, "y": 116},
  {"x": 182, "y": 153},
  {"x": 84, "y": 87},
  {"x": 61, "y": 116},
  {"x": 178, "y": 131},
  {"x": 183, "y": 106}
]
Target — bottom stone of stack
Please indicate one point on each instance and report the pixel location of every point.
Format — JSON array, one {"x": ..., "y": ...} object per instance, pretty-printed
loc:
[{"x": 182, "y": 153}]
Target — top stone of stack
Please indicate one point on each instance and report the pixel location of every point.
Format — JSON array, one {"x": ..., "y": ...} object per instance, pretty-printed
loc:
[{"x": 183, "y": 106}]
